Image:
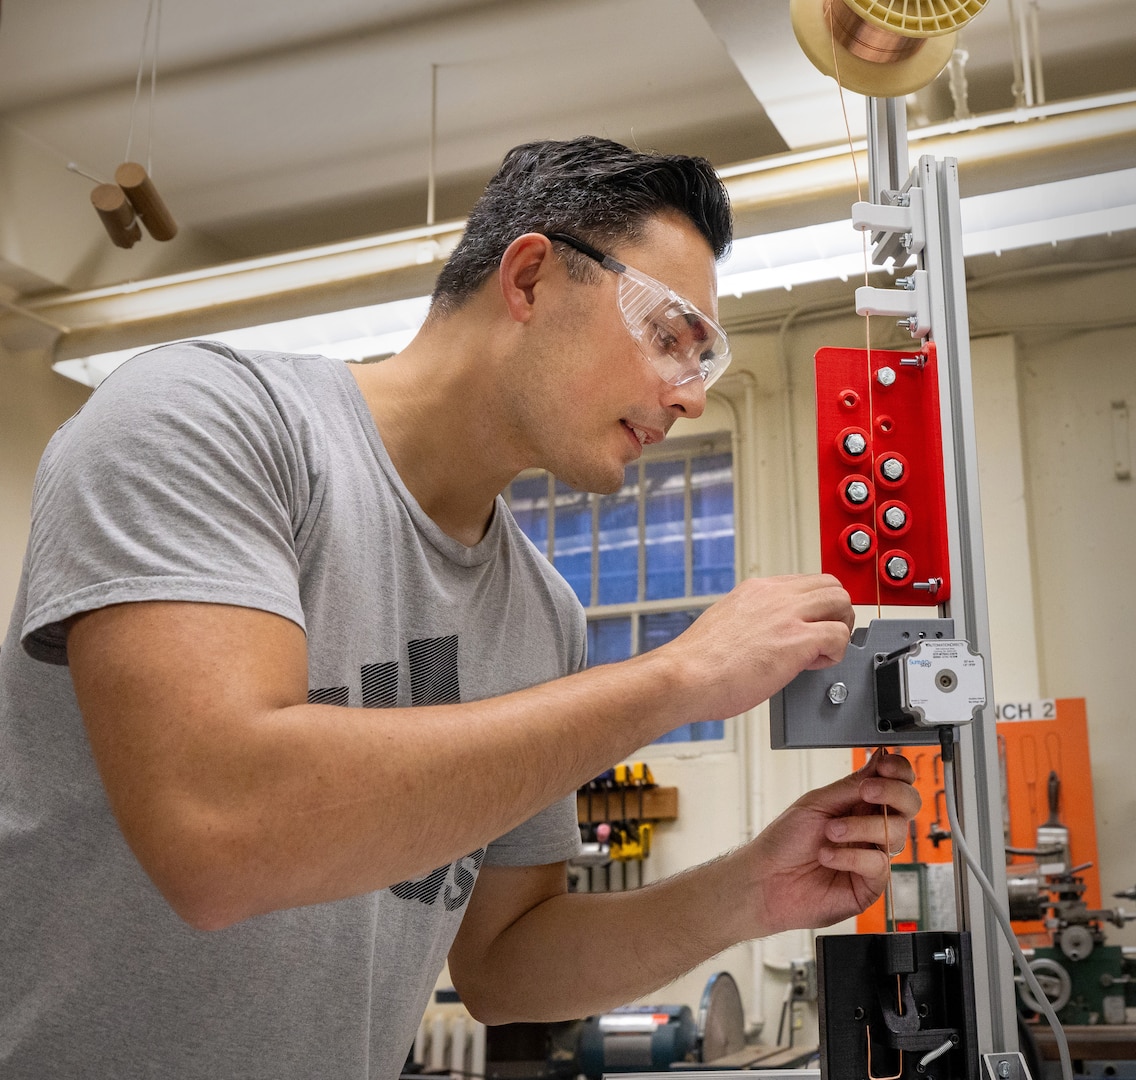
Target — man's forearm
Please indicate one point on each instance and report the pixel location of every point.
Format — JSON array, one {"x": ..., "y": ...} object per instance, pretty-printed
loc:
[{"x": 577, "y": 954}]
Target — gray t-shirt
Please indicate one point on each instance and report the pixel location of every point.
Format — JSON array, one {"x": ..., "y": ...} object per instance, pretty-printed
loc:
[{"x": 198, "y": 473}]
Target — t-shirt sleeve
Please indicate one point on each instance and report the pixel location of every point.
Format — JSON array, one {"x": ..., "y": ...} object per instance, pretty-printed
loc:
[
  {"x": 177, "y": 480},
  {"x": 551, "y": 836}
]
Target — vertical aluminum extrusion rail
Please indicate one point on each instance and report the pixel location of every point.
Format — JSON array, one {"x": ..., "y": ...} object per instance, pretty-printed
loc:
[{"x": 978, "y": 796}]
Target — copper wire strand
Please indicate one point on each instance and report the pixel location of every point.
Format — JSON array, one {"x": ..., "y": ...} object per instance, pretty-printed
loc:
[
  {"x": 896, "y": 1076},
  {"x": 876, "y": 44}
]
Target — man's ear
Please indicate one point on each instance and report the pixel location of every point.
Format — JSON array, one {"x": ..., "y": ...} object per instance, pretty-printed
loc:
[{"x": 526, "y": 262}]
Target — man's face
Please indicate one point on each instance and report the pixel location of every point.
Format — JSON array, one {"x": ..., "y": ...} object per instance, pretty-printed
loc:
[{"x": 595, "y": 398}]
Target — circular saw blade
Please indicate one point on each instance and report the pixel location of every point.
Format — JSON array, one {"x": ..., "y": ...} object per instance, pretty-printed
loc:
[{"x": 721, "y": 1018}]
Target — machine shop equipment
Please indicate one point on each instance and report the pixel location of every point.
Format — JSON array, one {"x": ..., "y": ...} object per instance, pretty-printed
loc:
[
  {"x": 1085, "y": 980},
  {"x": 644, "y": 1038},
  {"x": 632, "y": 1039}
]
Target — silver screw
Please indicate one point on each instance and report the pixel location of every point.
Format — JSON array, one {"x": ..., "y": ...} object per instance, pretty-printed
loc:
[
  {"x": 855, "y": 444},
  {"x": 894, "y": 517},
  {"x": 930, "y": 585},
  {"x": 857, "y": 491},
  {"x": 886, "y": 376},
  {"x": 859, "y": 541},
  {"x": 947, "y": 956},
  {"x": 896, "y": 568},
  {"x": 1004, "y": 1070},
  {"x": 838, "y": 693},
  {"x": 907, "y": 283},
  {"x": 892, "y": 468}
]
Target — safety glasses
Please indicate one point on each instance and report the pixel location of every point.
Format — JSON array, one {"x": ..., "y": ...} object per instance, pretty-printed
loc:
[{"x": 678, "y": 340}]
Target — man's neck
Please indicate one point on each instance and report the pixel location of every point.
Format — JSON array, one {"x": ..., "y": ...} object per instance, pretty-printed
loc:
[{"x": 428, "y": 403}]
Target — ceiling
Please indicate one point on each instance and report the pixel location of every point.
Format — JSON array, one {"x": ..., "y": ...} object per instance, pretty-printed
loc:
[{"x": 279, "y": 124}]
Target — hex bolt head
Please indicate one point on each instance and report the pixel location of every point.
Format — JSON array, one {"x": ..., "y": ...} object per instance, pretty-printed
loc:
[
  {"x": 885, "y": 376},
  {"x": 892, "y": 468},
  {"x": 859, "y": 541},
  {"x": 896, "y": 568},
  {"x": 855, "y": 443},
  {"x": 894, "y": 517},
  {"x": 838, "y": 693},
  {"x": 857, "y": 492}
]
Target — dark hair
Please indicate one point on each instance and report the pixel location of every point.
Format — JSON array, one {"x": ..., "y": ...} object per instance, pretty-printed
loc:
[{"x": 595, "y": 189}]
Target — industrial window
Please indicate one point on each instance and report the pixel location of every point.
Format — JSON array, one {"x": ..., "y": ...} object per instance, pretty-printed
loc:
[{"x": 646, "y": 560}]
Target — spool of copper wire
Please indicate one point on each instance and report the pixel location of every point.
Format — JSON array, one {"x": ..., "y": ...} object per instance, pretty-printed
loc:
[
  {"x": 868, "y": 40},
  {"x": 881, "y": 48}
]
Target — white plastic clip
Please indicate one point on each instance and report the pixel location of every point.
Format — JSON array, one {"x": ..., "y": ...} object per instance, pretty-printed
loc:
[
  {"x": 913, "y": 304},
  {"x": 897, "y": 228}
]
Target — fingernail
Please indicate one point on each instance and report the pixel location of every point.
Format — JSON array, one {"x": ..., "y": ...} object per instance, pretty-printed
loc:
[
  {"x": 872, "y": 789},
  {"x": 837, "y": 829}
]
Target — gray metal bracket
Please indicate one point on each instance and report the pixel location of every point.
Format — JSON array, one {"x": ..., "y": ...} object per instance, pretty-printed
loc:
[
  {"x": 837, "y": 705},
  {"x": 1005, "y": 1066}
]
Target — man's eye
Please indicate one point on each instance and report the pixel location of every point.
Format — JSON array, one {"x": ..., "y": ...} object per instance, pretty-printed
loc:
[{"x": 665, "y": 338}]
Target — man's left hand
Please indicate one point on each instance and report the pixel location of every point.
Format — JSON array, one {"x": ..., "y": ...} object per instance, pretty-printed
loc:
[{"x": 826, "y": 857}]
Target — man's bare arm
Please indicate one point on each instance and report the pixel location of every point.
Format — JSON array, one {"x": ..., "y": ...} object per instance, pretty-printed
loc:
[
  {"x": 528, "y": 950},
  {"x": 239, "y": 797}
]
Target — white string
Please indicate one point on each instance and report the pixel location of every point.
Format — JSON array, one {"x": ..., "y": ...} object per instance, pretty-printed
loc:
[{"x": 154, "y": 4}]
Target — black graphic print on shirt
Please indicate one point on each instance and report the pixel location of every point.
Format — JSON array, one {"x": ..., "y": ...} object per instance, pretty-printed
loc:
[{"x": 433, "y": 668}]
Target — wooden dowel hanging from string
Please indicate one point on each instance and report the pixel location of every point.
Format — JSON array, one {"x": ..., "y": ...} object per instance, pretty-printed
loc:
[
  {"x": 147, "y": 203},
  {"x": 116, "y": 214}
]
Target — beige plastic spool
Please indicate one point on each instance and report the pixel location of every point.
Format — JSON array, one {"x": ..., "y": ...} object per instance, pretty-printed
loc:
[{"x": 883, "y": 48}]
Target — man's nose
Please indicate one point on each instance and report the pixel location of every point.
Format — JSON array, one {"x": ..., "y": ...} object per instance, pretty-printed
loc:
[{"x": 689, "y": 398}]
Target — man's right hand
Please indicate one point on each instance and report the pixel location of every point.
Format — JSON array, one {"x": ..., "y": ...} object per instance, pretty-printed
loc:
[{"x": 760, "y": 636}]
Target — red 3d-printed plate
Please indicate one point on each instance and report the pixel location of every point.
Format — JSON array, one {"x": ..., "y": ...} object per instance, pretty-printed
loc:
[{"x": 880, "y": 463}]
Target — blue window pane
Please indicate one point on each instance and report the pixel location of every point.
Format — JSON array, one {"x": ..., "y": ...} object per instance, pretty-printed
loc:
[
  {"x": 712, "y": 514},
  {"x": 699, "y": 731},
  {"x": 572, "y": 545},
  {"x": 608, "y": 640},
  {"x": 666, "y": 530},
  {"x": 528, "y": 500},
  {"x": 663, "y": 626},
  {"x": 619, "y": 543}
]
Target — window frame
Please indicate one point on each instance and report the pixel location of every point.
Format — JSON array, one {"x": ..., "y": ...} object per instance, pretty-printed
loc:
[{"x": 686, "y": 449}]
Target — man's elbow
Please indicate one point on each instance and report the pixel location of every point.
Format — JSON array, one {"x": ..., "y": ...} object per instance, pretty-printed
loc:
[{"x": 202, "y": 877}]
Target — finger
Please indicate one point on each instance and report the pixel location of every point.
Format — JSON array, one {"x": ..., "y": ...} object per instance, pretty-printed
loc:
[
  {"x": 884, "y": 763},
  {"x": 898, "y": 795},
  {"x": 869, "y": 829},
  {"x": 831, "y": 646},
  {"x": 869, "y": 863}
]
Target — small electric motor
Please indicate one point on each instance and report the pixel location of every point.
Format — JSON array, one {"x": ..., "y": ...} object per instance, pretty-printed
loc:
[{"x": 930, "y": 684}]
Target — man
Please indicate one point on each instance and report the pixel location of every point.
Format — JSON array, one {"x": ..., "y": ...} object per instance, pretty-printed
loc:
[{"x": 292, "y": 710}]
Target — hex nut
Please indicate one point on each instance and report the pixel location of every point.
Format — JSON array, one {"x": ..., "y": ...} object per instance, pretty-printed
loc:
[
  {"x": 894, "y": 517},
  {"x": 885, "y": 376},
  {"x": 859, "y": 541},
  {"x": 855, "y": 443},
  {"x": 838, "y": 693},
  {"x": 857, "y": 492},
  {"x": 896, "y": 568},
  {"x": 892, "y": 468}
]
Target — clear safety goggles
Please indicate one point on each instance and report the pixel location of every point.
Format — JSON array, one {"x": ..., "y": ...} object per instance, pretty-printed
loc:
[{"x": 678, "y": 340}]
